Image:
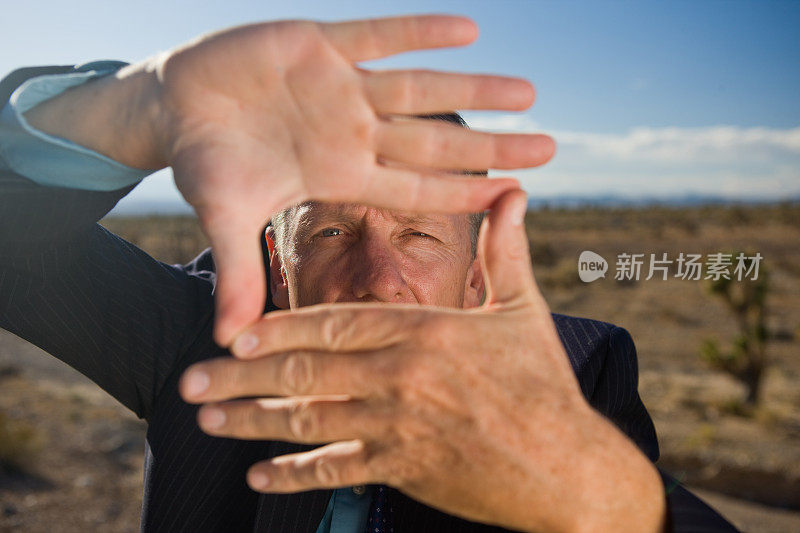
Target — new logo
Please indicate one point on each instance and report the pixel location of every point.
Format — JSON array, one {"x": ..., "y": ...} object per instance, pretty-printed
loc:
[{"x": 591, "y": 266}]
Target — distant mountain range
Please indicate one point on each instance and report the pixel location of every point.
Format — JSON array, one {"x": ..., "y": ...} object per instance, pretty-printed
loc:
[
  {"x": 685, "y": 200},
  {"x": 151, "y": 207},
  {"x": 171, "y": 207}
]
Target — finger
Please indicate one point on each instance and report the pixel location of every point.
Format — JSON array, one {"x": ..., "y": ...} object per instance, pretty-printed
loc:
[
  {"x": 340, "y": 464},
  {"x": 435, "y": 144},
  {"x": 362, "y": 40},
  {"x": 505, "y": 253},
  {"x": 333, "y": 328},
  {"x": 288, "y": 374},
  {"x": 414, "y": 190},
  {"x": 241, "y": 280},
  {"x": 415, "y": 92},
  {"x": 302, "y": 420}
]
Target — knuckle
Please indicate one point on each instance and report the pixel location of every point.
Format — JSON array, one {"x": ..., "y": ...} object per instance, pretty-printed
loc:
[
  {"x": 404, "y": 92},
  {"x": 341, "y": 328},
  {"x": 303, "y": 421},
  {"x": 326, "y": 473},
  {"x": 331, "y": 331},
  {"x": 297, "y": 373}
]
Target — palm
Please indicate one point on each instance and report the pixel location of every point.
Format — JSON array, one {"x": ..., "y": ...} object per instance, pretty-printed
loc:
[
  {"x": 268, "y": 115},
  {"x": 297, "y": 128}
]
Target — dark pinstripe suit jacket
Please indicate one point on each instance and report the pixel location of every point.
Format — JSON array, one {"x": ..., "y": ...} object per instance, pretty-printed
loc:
[{"x": 133, "y": 325}]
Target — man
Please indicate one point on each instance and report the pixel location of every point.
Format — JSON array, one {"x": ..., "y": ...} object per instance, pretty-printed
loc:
[{"x": 500, "y": 434}]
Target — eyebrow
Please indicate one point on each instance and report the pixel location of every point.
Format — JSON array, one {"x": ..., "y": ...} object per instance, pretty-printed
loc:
[
  {"x": 421, "y": 220},
  {"x": 342, "y": 212}
]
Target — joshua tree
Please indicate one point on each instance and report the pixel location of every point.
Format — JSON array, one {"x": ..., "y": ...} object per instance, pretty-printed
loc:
[{"x": 746, "y": 299}]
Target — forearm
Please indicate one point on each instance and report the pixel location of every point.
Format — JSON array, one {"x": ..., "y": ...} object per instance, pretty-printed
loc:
[{"x": 118, "y": 116}]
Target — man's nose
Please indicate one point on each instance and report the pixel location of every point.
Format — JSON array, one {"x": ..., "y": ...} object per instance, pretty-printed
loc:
[{"x": 377, "y": 274}]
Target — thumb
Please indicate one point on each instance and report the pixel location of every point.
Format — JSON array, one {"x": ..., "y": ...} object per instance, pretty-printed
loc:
[
  {"x": 241, "y": 281},
  {"x": 505, "y": 255}
]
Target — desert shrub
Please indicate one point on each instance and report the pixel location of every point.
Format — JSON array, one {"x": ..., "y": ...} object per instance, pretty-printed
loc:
[
  {"x": 788, "y": 213},
  {"x": 543, "y": 254},
  {"x": 702, "y": 437},
  {"x": 19, "y": 443},
  {"x": 563, "y": 275},
  {"x": 738, "y": 215},
  {"x": 746, "y": 357}
]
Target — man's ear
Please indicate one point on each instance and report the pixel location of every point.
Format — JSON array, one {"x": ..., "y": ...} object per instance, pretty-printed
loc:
[
  {"x": 277, "y": 274},
  {"x": 474, "y": 287}
]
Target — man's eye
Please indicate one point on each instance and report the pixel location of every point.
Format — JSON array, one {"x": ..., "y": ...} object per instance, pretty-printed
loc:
[
  {"x": 420, "y": 234},
  {"x": 330, "y": 232}
]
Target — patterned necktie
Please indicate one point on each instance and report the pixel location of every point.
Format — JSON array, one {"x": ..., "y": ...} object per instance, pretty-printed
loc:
[{"x": 380, "y": 512}]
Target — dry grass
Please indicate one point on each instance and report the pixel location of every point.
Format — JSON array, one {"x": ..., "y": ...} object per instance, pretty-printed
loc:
[{"x": 20, "y": 442}]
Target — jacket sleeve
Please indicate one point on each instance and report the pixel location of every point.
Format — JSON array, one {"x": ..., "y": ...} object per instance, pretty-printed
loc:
[
  {"x": 686, "y": 513},
  {"x": 616, "y": 393},
  {"x": 618, "y": 397},
  {"x": 86, "y": 296}
]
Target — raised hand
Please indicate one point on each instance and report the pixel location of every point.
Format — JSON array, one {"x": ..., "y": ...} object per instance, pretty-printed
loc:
[
  {"x": 256, "y": 118},
  {"x": 477, "y": 413}
]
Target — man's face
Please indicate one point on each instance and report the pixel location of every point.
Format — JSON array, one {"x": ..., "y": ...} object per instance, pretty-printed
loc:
[{"x": 352, "y": 253}]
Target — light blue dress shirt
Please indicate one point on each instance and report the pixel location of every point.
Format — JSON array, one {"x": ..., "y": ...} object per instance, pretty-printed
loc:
[
  {"x": 50, "y": 160},
  {"x": 56, "y": 162}
]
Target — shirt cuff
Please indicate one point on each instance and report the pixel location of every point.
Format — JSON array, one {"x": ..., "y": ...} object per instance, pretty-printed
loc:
[{"x": 53, "y": 161}]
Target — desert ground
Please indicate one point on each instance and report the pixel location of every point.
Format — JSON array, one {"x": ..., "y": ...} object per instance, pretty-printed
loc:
[{"x": 71, "y": 458}]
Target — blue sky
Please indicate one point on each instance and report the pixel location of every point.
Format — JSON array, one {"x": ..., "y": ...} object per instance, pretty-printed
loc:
[{"x": 644, "y": 98}]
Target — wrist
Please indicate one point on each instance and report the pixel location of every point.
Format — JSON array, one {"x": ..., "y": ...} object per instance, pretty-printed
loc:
[
  {"x": 622, "y": 490},
  {"x": 117, "y": 116}
]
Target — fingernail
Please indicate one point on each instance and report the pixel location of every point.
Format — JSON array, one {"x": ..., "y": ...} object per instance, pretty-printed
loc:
[
  {"x": 212, "y": 418},
  {"x": 245, "y": 344},
  {"x": 518, "y": 212},
  {"x": 197, "y": 383},
  {"x": 259, "y": 480}
]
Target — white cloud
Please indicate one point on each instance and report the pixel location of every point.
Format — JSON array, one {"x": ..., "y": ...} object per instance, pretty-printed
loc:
[
  {"x": 723, "y": 160},
  {"x": 646, "y": 142},
  {"x": 501, "y": 122},
  {"x": 685, "y": 144}
]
